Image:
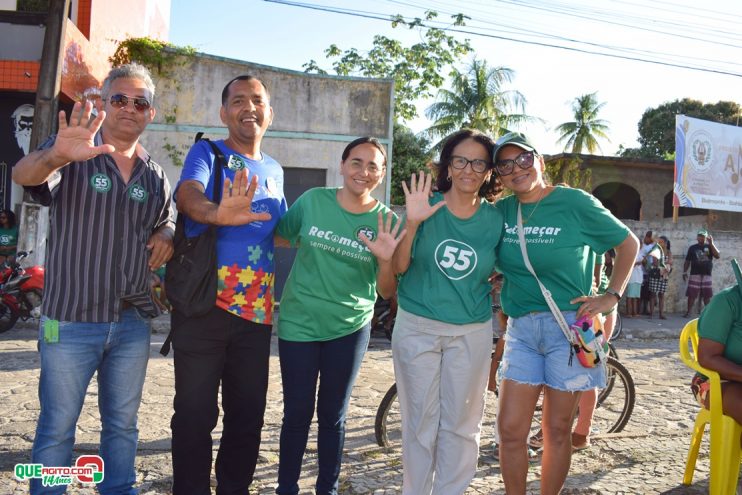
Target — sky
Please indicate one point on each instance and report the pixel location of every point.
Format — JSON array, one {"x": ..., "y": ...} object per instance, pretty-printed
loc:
[{"x": 514, "y": 34}]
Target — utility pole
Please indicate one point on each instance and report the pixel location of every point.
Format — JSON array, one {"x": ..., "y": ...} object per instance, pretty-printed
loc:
[{"x": 34, "y": 217}]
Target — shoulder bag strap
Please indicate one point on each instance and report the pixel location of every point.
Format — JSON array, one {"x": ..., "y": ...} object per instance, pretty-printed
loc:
[{"x": 547, "y": 295}]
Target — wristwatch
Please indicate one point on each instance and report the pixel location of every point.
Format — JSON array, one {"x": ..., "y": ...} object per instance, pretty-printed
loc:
[{"x": 614, "y": 293}]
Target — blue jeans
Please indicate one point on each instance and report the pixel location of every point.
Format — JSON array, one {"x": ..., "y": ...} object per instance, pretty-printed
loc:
[
  {"x": 336, "y": 363},
  {"x": 118, "y": 351}
]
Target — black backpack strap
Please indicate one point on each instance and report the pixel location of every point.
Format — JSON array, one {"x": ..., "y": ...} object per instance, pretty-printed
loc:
[{"x": 221, "y": 162}]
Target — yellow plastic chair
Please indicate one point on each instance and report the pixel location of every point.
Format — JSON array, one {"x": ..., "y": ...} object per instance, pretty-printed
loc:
[{"x": 725, "y": 452}]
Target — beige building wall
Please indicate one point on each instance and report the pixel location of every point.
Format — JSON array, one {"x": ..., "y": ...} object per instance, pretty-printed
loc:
[{"x": 315, "y": 116}]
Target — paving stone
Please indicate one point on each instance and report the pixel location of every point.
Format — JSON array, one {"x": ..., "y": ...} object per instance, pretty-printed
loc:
[{"x": 647, "y": 457}]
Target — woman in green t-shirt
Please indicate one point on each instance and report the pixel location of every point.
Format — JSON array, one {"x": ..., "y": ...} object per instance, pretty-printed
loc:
[
  {"x": 346, "y": 241},
  {"x": 720, "y": 350},
  {"x": 8, "y": 235},
  {"x": 562, "y": 227},
  {"x": 442, "y": 337}
]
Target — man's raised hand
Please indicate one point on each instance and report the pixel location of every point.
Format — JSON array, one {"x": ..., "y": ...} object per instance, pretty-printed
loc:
[
  {"x": 75, "y": 141},
  {"x": 236, "y": 205}
]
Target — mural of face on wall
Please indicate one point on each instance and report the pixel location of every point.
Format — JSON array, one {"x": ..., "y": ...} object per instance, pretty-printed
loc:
[{"x": 22, "y": 119}]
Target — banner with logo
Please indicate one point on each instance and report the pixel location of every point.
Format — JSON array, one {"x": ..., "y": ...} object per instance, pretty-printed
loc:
[{"x": 708, "y": 164}]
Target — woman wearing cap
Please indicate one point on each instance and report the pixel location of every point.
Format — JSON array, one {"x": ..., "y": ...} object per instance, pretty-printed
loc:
[
  {"x": 442, "y": 338},
  {"x": 561, "y": 226},
  {"x": 720, "y": 348}
]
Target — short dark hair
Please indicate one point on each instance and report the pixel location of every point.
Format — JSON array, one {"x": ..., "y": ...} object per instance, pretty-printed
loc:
[
  {"x": 364, "y": 140},
  {"x": 11, "y": 217},
  {"x": 243, "y": 77},
  {"x": 667, "y": 241},
  {"x": 489, "y": 190}
]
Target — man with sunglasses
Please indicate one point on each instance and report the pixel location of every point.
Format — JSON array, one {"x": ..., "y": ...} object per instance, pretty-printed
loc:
[{"x": 110, "y": 225}]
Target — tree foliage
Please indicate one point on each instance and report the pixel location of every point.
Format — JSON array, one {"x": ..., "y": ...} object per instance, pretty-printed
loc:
[
  {"x": 478, "y": 100},
  {"x": 583, "y": 133},
  {"x": 569, "y": 170},
  {"x": 410, "y": 153},
  {"x": 156, "y": 55},
  {"x": 657, "y": 125},
  {"x": 417, "y": 69}
]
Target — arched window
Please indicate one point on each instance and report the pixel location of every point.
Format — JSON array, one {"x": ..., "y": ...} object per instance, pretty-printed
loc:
[
  {"x": 684, "y": 211},
  {"x": 621, "y": 199}
]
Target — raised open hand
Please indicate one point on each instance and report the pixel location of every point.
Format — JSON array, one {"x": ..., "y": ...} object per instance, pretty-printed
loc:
[
  {"x": 74, "y": 141},
  {"x": 387, "y": 238},
  {"x": 416, "y": 198},
  {"x": 236, "y": 205}
]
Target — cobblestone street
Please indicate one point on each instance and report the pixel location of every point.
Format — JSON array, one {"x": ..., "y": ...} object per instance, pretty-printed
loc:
[{"x": 647, "y": 457}]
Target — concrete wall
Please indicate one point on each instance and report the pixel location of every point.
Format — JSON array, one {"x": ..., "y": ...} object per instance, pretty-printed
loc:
[
  {"x": 315, "y": 116},
  {"x": 682, "y": 235}
]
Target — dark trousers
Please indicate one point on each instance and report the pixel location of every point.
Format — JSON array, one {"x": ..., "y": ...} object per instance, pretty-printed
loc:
[
  {"x": 336, "y": 363},
  {"x": 218, "y": 348}
]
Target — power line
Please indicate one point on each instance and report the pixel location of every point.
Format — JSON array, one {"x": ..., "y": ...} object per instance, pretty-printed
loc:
[{"x": 427, "y": 24}]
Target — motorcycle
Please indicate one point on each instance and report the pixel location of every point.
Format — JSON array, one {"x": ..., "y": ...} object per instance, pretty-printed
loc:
[{"x": 21, "y": 290}]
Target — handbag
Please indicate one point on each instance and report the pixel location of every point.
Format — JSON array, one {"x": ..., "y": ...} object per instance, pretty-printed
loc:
[
  {"x": 191, "y": 273},
  {"x": 589, "y": 346}
]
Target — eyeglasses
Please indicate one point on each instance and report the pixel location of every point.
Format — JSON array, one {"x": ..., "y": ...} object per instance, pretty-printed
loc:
[
  {"x": 357, "y": 166},
  {"x": 122, "y": 101},
  {"x": 460, "y": 163},
  {"x": 524, "y": 161}
]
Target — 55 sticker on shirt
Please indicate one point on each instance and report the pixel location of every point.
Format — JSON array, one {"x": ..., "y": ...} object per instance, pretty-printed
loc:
[{"x": 455, "y": 259}]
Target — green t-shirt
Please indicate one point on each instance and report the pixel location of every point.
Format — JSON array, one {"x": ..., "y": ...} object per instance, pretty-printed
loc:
[
  {"x": 721, "y": 321},
  {"x": 451, "y": 261},
  {"x": 331, "y": 289},
  {"x": 563, "y": 229},
  {"x": 8, "y": 241}
]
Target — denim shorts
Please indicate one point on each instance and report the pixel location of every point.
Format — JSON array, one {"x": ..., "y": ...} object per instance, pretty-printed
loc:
[{"x": 538, "y": 353}]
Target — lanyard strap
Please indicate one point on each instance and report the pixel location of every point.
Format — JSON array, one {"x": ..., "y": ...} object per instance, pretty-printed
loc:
[{"x": 563, "y": 325}]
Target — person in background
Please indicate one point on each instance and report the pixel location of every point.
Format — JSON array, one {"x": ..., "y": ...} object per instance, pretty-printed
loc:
[
  {"x": 326, "y": 307},
  {"x": 648, "y": 244},
  {"x": 110, "y": 225},
  {"x": 659, "y": 274},
  {"x": 562, "y": 227},
  {"x": 700, "y": 260},
  {"x": 8, "y": 235},
  {"x": 633, "y": 289},
  {"x": 589, "y": 398},
  {"x": 442, "y": 340}
]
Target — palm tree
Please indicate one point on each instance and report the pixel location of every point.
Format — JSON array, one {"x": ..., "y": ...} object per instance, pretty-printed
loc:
[
  {"x": 584, "y": 132},
  {"x": 477, "y": 100}
]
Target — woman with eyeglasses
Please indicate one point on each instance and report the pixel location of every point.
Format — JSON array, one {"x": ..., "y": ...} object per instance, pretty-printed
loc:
[
  {"x": 8, "y": 235},
  {"x": 562, "y": 228},
  {"x": 346, "y": 239},
  {"x": 442, "y": 337}
]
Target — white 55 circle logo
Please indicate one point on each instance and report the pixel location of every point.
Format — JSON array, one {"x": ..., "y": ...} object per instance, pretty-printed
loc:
[{"x": 455, "y": 259}]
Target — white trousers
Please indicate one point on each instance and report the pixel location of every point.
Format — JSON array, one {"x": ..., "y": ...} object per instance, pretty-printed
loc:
[{"x": 441, "y": 385}]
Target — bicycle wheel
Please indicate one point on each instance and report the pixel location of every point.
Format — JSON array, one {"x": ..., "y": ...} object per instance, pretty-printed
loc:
[
  {"x": 388, "y": 425},
  {"x": 616, "y": 401}
]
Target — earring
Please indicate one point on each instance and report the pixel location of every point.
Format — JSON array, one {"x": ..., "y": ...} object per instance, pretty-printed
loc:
[{"x": 448, "y": 178}]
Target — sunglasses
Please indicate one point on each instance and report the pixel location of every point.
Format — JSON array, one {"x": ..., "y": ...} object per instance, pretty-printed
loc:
[
  {"x": 524, "y": 161},
  {"x": 460, "y": 163},
  {"x": 122, "y": 101}
]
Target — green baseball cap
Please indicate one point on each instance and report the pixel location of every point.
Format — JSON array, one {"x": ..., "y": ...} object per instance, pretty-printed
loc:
[
  {"x": 513, "y": 138},
  {"x": 703, "y": 232}
]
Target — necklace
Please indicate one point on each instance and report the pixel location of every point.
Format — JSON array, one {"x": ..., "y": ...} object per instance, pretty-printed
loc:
[{"x": 543, "y": 193}]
